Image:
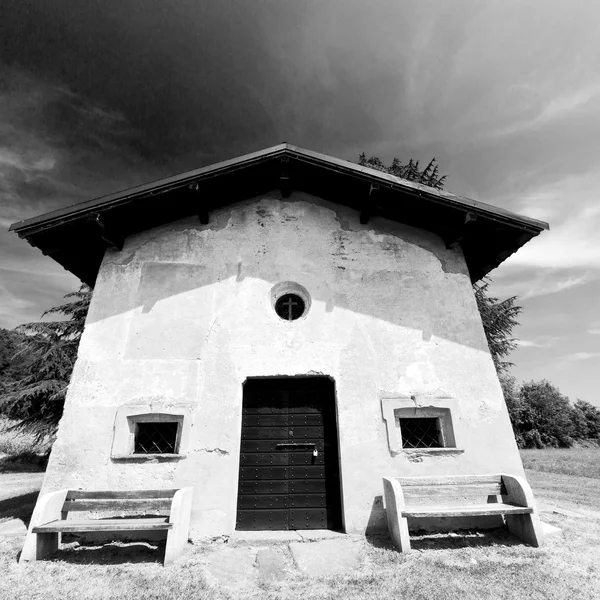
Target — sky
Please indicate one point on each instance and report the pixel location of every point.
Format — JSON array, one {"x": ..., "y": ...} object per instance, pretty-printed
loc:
[{"x": 101, "y": 95}]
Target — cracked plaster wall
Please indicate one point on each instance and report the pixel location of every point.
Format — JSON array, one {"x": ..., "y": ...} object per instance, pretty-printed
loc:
[{"x": 183, "y": 316}]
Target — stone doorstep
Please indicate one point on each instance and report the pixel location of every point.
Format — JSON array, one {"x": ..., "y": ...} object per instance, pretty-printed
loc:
[
  {"x": 269, "y": 538},
  {"x": 326, "y": 558},
  {"x": 274, "y": 556}
]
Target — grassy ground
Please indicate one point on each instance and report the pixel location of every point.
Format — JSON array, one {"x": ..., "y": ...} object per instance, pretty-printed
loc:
[
  {"x": 12, "y": 442},
  {"x": 18, "y": 451},
  {"x": 581, "y": 462},
  {"x": 471, "y": 567}
]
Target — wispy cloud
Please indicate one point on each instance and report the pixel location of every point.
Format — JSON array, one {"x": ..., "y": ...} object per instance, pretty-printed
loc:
[
  {"x": 543, "y": 342},
  {"x": 55, "y": 149},
  {"x": 528, "y": 344},
  {"x": 562, "y": 105},
  {"x": 527, "y": 282},
  {"x": 27, "y": 164},
  {"x": 579, "y": 356},
  {"x": 574, "y": 210},
  {"x": 545, "y": 286},
  {"x": 24, "y": 297}
]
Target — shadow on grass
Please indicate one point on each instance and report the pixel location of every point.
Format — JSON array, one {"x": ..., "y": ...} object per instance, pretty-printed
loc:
[
  {"x": 114, "y": 553},
  {"x": 421, "y": 540},
  {"x": 25, "y": 462},
  {"x": 19, "y": 507}
]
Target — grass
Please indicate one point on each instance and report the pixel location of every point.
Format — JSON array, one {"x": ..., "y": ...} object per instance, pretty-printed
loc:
[
  {"x": 19, "y": 451},
  {"x": 12, "y": 442},
  {"x": 580, "y": 462},
  {"x": 474, "y": 566}
]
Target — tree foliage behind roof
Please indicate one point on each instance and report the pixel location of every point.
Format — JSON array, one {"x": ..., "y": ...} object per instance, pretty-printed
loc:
[
  {"x": 11, "y": 342},
  {"x": 499, "y": 319},
  {"x": 36, "y": 400},
  {"x": 410, "y": 171}
]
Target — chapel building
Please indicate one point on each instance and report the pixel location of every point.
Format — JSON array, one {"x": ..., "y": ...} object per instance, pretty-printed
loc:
[{"x": 280, "y": 331}]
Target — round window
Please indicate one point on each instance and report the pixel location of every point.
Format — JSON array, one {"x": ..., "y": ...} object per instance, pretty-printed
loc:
[{"x": 290, "y": 307}]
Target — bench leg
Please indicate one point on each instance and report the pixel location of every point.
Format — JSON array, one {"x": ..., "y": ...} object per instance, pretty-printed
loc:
[
  {"x": 38, "y": 545},
  {"x": 46, "y": 544},
  {"x": 525, "y": 528},
  {"x": 394, "y": 504},
  {"x": 401, "y": 538},
  {"x": 176, "y": 540},
  {"x": 177, "y": 537}
]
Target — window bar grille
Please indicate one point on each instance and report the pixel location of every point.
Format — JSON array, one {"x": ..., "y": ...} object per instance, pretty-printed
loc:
[
  {"x": 420, "y": 433},
  {"x": 155, "y": 438}
]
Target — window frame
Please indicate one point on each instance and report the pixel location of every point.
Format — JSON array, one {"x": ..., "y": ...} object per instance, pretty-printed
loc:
[
  {"x": 439, "y": 427},
  {"x": 284, "y": 288},
  {"x": 443, "y": 408},
  {"x": 135, "y": 420},
  {"x": 126, "y": 420}
]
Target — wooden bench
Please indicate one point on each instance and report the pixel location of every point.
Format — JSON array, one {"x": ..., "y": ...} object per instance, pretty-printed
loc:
[
  {"x": 418, "y": 497},
  {"x": 49, "y": 518}
]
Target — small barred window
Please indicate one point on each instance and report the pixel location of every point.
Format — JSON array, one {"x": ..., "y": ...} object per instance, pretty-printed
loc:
[
  {"x": 155, "y": 438},
  {"x": 421, "y": 432}
]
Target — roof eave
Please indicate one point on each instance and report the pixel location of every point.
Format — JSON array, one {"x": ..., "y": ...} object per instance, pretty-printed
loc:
[{"x": 66, "y": 214}]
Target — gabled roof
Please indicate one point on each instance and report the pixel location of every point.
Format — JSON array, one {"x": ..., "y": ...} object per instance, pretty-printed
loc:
[{"x": 77, "y": 236}]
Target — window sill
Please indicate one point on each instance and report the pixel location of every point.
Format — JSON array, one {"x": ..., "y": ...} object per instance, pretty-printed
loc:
[
  {"x": 433, "y": 451},
  {"x": 147, "y": 457}
]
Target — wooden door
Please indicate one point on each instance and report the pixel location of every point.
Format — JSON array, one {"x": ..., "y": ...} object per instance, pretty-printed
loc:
[{"x": 289, "y": 471}]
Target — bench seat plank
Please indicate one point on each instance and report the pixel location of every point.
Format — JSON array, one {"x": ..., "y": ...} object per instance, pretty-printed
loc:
[
  {"x": 81, "y": 525},
  {"x": 450, "y": 480},
  {"x": 118, "y": 505},
  {"x": 466, "y": 511},
  {"x": 118, "y": 494},
  {"x": 458, "y": 491}
]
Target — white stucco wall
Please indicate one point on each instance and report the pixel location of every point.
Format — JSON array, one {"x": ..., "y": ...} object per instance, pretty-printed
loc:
[{"x": 182, "y": 316}]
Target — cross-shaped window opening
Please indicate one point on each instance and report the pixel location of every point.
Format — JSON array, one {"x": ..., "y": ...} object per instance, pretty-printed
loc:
[{"x": 290, "y": 307}]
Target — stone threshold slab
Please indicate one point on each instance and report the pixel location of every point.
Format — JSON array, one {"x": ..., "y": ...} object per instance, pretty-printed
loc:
[{"x": 268, "y": 538}]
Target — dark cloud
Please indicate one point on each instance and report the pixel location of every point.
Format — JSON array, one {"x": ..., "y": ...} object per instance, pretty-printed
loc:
[
  {"x": 203, "y": 78},
  {"x": 209, "y": 80}
]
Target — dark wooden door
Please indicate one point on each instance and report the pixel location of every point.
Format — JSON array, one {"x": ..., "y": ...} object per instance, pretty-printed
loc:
[{"x": 289, "y": 470}]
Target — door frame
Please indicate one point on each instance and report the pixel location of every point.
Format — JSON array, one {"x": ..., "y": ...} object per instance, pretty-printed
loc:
[{"x": 337, "y": 432}]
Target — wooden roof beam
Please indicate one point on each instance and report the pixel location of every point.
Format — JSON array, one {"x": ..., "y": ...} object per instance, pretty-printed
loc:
[
  {"x": 456, "y": 239},
  {"x": 285, "y": 179},
  {"x": 201, "y": 207},
  {"x": 369, "y": 209},
  {"x": 108, "y": 233}
]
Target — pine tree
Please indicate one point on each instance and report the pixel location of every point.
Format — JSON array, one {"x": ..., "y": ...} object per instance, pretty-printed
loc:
[
  {"x": 11, "y": 342},
  {"x": 499, "y": 319},
  {"x": 410, "y": 171},
  {"x": 50, "y": 348}
]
